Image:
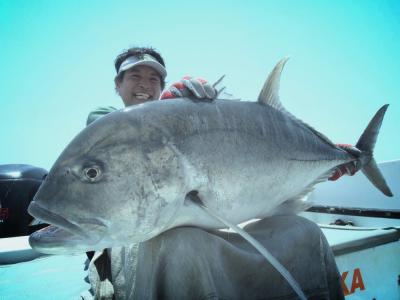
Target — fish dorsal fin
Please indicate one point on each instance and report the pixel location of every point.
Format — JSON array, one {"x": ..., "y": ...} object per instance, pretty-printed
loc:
[{"x": 269, "y": 94}]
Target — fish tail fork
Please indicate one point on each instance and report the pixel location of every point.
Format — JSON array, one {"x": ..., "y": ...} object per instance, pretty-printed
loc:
[{"x": 366, "y": 145}]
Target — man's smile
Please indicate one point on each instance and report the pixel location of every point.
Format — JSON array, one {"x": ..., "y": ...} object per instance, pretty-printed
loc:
[{"x": 142, "y": 96}]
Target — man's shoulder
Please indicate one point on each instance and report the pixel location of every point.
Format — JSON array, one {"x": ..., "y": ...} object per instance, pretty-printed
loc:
[{"x": 98, "y": 113}]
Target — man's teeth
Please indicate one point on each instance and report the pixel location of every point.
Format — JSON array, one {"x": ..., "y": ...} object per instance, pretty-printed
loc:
[{"x": 142, "y": 96}]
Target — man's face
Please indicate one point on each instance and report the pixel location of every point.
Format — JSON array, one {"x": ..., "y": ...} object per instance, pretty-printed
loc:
[{"x": 139, "y": 84}]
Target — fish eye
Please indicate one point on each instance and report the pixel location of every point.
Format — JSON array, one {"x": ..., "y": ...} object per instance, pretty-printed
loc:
[{"x": 92, "y": 173}]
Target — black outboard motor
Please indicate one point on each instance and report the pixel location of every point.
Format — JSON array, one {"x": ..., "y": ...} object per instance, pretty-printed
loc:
[{"x": 18, "y": 185}]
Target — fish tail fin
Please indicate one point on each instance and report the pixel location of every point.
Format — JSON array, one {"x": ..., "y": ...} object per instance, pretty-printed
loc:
[
  {"x": 193, "y": 197},
  {"x": 366, "y": 145}
]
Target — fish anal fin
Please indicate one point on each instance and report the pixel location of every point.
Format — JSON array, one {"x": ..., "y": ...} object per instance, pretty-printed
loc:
[{"x": 299, "y": 203}]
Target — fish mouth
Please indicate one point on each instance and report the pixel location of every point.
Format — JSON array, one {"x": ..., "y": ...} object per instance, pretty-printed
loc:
[
  {"x": 62, "y": 236},
  {"x": 47, "y": 216}
]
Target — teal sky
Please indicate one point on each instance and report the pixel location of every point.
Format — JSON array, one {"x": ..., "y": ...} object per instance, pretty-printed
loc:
[{"x": 56, "y": 62}]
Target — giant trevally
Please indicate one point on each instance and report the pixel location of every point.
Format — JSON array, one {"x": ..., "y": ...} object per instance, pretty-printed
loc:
[{"x": 126, "y": 177}]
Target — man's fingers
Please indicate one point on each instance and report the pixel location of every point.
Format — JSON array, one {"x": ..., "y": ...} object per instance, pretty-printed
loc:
[
  {"x": 195, "y": 87},
  {"x": 176, "y": 92},
  {"x": 210, "y": 91}
]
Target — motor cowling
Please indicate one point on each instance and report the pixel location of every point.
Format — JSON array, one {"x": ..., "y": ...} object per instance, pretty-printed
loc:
[{"x": 18, "y": 185}]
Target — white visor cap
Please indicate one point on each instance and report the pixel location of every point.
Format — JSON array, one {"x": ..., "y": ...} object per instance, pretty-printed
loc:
[{"x": 145, "y": 60}]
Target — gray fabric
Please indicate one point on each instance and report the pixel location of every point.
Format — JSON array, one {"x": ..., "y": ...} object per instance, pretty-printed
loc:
[{"x": 191, "y": 263}]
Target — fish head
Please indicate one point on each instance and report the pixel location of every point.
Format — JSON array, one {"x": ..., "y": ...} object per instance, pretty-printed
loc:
[{"x": 118, "y": 182}]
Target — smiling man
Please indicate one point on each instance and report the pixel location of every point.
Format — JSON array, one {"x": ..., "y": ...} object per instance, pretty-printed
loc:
[{"x": 140, "y": 77}]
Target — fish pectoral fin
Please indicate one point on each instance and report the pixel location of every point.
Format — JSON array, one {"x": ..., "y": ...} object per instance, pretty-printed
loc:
[{"x": 194, "y": 197}]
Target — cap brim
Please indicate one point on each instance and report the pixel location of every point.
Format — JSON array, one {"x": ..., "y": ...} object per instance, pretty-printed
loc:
[{"x": 159, "y": 68}]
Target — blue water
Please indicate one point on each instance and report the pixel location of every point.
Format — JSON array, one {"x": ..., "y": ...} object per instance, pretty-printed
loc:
[{"x": 52, "y": 277}]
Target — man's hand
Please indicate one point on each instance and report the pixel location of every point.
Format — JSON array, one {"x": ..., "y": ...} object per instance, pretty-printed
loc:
[
  {"x": 350, "y": 168},
  {"x": 190, "y": 87},
  {"x": 346, "y": 169}
]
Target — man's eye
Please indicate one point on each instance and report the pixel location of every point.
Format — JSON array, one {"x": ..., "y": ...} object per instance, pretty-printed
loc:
[{"x": 92, "y": 173}]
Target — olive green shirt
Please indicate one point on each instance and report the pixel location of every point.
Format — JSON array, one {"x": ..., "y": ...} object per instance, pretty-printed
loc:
[{"x": 98, "y": 113}]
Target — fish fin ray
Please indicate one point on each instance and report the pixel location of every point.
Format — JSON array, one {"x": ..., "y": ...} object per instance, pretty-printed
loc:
[
  {"x": 313, "y": 130},
  {"x": 319, "y": 134}
]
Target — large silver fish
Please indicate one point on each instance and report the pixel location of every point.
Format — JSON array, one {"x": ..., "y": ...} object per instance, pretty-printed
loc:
[{"x": 126, "y": 177}]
